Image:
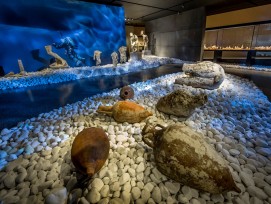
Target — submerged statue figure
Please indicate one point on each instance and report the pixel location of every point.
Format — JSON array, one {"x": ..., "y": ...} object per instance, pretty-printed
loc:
[
  {"x": 122, "y": 51},
  {"x": 145, "y": 40},
  {"x": 134, "y": 42},
  {"x": 115, "y": 58},
  {"x": 21, "y": 67},
  {"x": 97, "y": 57},
  {"x": 68, "y": 44},
  {"x": 60, "y": 63}
]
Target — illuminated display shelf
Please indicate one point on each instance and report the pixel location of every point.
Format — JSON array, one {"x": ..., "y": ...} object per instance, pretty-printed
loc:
[{"x": 250, "y": 58}]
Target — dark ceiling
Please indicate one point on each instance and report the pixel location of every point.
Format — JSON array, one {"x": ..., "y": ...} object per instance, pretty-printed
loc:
[{"x": 138, "y": 11}]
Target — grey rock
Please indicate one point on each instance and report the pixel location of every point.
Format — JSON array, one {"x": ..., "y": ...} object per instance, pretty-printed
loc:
[
  {"x": 247, "y": 179},
  {"x": 180, "y": 103},
  {"x": 74, "y": 195},
  {"x": 71, "y": 183},
  {"x": 164, "y": 191},
  {"x": 9, "y": 180},
  {"x": 57, "y": 196},
  {"x": 255, "y": 200},
  {"x": 93, "y": 196},
  {"x": 11, "y": 199},
  {"x": 255, "y": 191},
  {"x": 173, "y": 187},
  {"x": 156, "y": 195},
  {"x": 263, "y": 151},
  {"x": 45, "y": 185},
  {"x": 83, "y": 200},
  {"x": 207, "y": 75},
  {"x": 24, "y": 192}
]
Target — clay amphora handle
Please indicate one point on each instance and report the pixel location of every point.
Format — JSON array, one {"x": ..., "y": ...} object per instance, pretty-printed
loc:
[{"x": 148, "y": 139}]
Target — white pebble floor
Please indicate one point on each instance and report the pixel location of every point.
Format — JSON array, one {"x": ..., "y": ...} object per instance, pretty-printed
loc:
[{"x": 236, "y": 121}]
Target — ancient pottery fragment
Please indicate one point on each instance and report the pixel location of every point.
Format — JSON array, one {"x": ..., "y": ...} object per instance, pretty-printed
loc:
[
  {"x": 206, "y": 75},
  {"x": 181, "y": 103},
  {"x": 183, "y": 155},
  {"x": 127, "y": 92},
  {"x": 125, "y": 111},
  {"x": 90, "y": 150}
]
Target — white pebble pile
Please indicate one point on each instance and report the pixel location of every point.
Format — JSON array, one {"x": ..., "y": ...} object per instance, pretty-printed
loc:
[
  {"x": 52, "y": 76},
  {"x": 236, "y": 121}
]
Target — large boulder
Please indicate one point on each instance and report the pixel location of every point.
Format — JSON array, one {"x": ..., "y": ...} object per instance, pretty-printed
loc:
[
  {"x": 206, "y": 75},
  {"x": 181, "y": 103}
]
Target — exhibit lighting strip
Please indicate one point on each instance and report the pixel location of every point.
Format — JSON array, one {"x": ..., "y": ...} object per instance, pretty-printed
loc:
[{"x": 214, "y": 47}]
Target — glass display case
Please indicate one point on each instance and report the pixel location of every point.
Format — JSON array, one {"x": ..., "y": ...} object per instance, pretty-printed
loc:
[{"x": 247, "y": 44}]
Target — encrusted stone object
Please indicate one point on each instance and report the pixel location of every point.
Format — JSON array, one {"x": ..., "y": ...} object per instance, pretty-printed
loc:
[
  {"x": 115, "y": 58},
  {"x": 90, "y": 150},
  {"x": 180, "y": 103},
  {"x": 127, "y": 92},
  {"x": 206, "y": 75},
  {"x": 97, "y": 57},
  {"x": 183, "y": 155},
  {"x": 125, "y": 111},
  {"x": 60, "y": 62},
  {"x": 122, "y": 51}
]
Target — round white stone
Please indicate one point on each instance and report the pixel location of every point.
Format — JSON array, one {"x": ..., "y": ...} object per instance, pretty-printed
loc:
[
  {"x": 136, "y": 193},
  {"x": 124, "y": 178},
  {"x": 97, "y": 183},
  {"x": 173, "y": 187}
]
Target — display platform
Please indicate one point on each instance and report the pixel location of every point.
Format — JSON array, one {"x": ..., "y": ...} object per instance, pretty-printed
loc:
[
  {"x": 236, "y": 121},
  {"x": 52, "y": 76},
  {"x": 146, "y": 52},
  {"x": 134, "y": 56}
]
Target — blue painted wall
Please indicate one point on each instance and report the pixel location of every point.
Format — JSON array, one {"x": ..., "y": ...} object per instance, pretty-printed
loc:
[{"x": 27, "y": 26}]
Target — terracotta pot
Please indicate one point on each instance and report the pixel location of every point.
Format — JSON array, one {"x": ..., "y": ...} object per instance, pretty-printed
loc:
[
  {"x": 90, "y": 150},
  {"x": 125, "y": 111},
  {"x": 127, "y": 92}
]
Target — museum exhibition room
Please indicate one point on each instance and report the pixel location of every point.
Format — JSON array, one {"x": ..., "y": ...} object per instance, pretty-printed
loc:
[{"x": 133, "y": 102}]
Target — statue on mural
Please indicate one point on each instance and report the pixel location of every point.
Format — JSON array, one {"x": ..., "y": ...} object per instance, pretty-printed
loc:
[
  {"x": 97, "y": 57},
  {"x": 134, "y": 42},
  {"x": 145, "y": 40},
  {"x": 68, "y": 44},
  {"x": 115, "y": 58},
  {"x": 21, "y": 67},
  {"x": 60, "y": 63},
  {"x": 122, "y": 51}
]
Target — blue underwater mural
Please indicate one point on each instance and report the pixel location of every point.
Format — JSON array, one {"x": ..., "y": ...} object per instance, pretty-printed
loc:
[{"x": 74, "y": 29}]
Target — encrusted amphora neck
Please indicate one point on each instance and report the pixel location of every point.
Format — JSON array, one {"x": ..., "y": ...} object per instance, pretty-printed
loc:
[{"x": 150, "y": 132}]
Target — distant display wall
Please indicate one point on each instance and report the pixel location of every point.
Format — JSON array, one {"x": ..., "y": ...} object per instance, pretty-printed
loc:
[
  {"x": 247, "y": 36},
  {"x": 74, "y": 29}
]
